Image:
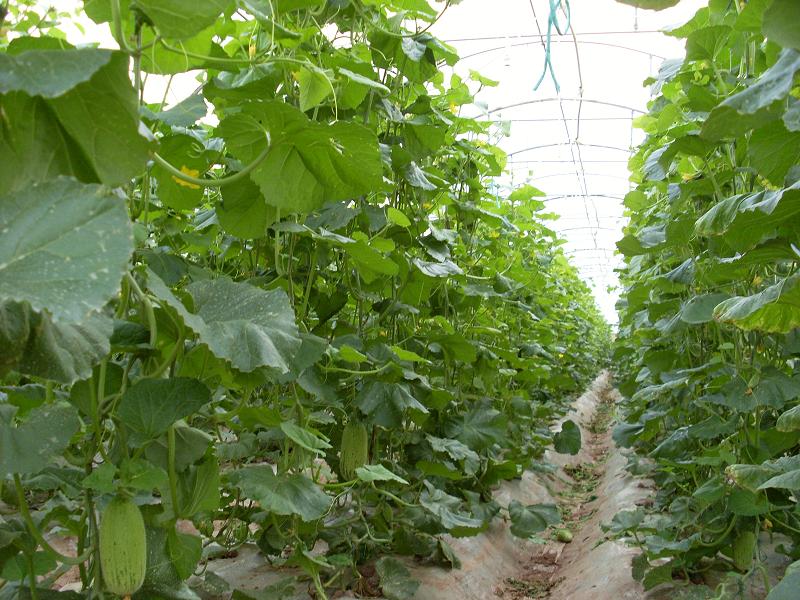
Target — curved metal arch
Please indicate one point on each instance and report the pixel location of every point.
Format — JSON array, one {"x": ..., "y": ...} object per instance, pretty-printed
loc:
[
  {"x": 589, "y": 100},
  {"x": 521, "y": 44},
  {"x": 542, "y": 161},
  {"x": 592, "y": 227},
  {"x": 540, "y": 36},
  {"x": 583, "y": 196},
  {"x": 581, "y": 144},
  {"x": 571, "y": 173}
]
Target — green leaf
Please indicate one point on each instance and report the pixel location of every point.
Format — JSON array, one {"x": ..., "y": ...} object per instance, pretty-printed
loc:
[
  {"x": 395, "y": 578},
  {"x": 775, "y": 309},
  {"x": 446, "y": 508},
  {"x": 773, "y": 150},
  {"x": 535, "y": 518},
  {"x": 657, "y": 576},
  {"x": 350, "y": 354},
  {"x": 775, "y": 389},
  {"x": 774, "y": 84},
  {"x": 787, "y": 588},
  {"x": 34, "y": 145},
  {"x": 33, "y": 344},
  {"x": 314, "y": 87},
  {"x": 243, "y": 211},
  {"x": 745, "y": 219},
  {"x": 191, "y": 445},
  {"x": 370, "y": 473},
  {"x": 50, "y": 73},
  {"x": 305, "y": 438},
  {"x": 244, "y": 325},
  {"x": 185, "y": 550},
  {"x": 438, "y": 269},
  {"x": 745, "y": 503},
  {"x": 310, "y": 163},
  {"x": 64, "y": 247},
  {"x": 370, "y": 261},
  {"x": 789, "y": 421},
  {"x": 480, "y": 428},
  {"x": 34, "y": 443},
  {"x": 198, "y": 489},
  {"x": 781, "y": 24},
  {"x": 365, "y": 81},
  {"x": 101, "y": 479},
  {"x": 151, "y": 406},
  {"x": 387, "y": 403},
  {"x": 785, "y": 481},
  {"x": 700, "y": 309},
  {"x": 102, "y": 117},
  {"x": 184, "y": 114},
  {"x": 180, "y": 19},
  {"x": 282, "y": 494},
  {"x": 397, "y": 217},
  {"x": 568, "y": 440}
]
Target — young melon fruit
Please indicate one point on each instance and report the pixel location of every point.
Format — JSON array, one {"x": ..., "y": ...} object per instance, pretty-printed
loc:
[
  {"x": 123, "y": 547},
  {"x": 743, "y": 547},
  {"x": 354, "y": 452},
  {"x": 564, "y": 535}
]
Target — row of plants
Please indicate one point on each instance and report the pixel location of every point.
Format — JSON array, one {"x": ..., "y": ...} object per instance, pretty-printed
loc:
[
  {"x": 709, "y": 345},
  {"x": 295, "y": 309}
]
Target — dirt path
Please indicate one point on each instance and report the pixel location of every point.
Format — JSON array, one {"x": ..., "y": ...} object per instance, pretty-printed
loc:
[{"x": 592, "y": 489}]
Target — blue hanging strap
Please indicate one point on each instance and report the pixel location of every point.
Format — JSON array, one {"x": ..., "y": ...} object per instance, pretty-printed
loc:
[{"x": 552, "y": 22}]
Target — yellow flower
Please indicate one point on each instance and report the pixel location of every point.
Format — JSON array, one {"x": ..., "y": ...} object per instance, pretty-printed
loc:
[{"x": 191, "y": 173}]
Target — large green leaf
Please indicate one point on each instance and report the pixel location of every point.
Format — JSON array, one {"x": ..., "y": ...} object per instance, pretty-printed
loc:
[
  {"x": 781, "y": 23},
  {"x": 396, "y": 580},
  {"x": 32, "y": 445},
  {"x": 568, "y": 440},
  {"x": 775, "y": 309},
  {"x": 179, "y": 19},
  {"x": 151, "y": 406},
  {"x": 789, "y": 421},
  {"x": 745, "y": 219},
  {"x": 49, "y": 73},
  {"x": 32, "y": 344},
  {"x": 282, "y": 494},
  {"x": 243, "y": 212},
  {"x": 773, "y": 150},
  {"x": 310, "y": 163},
  {"x": 700, "y": 309},
  {"x": 774, "y": 84},
  {"x": 447, "y": 509},
  {"x": 386, "y": 403},
  {"x": 315, "y": 86},
  {"x": 64, "y": 247},
  {"x": 34, "y": 145},
  {"x": 529, "y": 520},
  {"x": 244, "y": 325},
  {"x": 102, "y": 117}
]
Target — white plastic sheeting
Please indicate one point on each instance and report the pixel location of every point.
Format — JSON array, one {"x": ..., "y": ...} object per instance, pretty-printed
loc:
[{"x": 576, "y": 151}]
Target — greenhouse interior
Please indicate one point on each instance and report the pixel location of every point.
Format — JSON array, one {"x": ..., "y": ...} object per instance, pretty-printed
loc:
[{"x": 399, "y": 299}]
